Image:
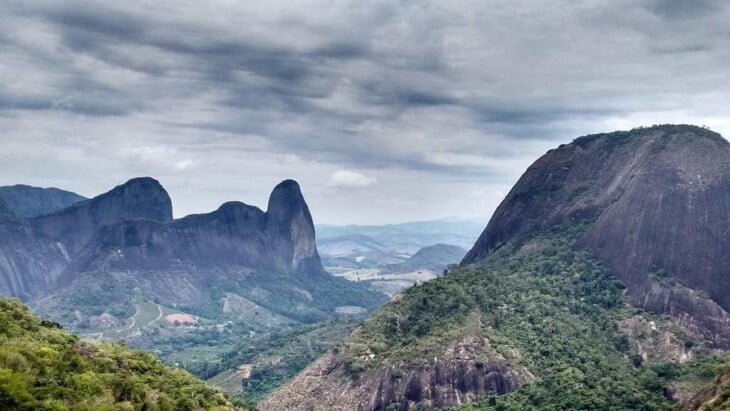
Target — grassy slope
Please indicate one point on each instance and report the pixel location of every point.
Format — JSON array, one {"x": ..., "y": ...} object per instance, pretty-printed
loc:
[
  {"x": 545, "y": 306},
  {"x": 45, "y": 368}
]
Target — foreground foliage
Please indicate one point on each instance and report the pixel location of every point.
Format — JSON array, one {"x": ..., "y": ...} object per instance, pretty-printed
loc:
[{"x": 43, "y": 367}]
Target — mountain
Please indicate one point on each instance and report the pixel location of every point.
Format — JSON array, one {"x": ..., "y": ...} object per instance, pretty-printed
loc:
[
  {"x": 34, "y": 252},
  {"x": 409, "y": 236},
  {"x": 235, "y": 235},
  {"x": 383, "y": 255},
  {"x": 434, "y": 258},
  {"x": 123, "y": 252},
  {"x": 44, "y": 367},
  {"x": 659, "y": 200},
  {"x": 355, "y": 251},
  {"x": 137, "y": 199},
  {"x": 578, "y": 294},
  {"x": 29, "y": 202}
]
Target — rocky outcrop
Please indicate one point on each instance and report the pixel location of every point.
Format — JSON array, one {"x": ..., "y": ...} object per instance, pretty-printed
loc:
[
  {"x": 456, "y": 378},
  {"x": 291, "y": 230},
  {"x": 140, "y": 198},
  {"x": 34, "y": 253},
  {"x": 29, "y": 202},
  {"x": 234, "y": 236},
  {"x": 659, "y": 202},
  {"x": 130, "y": 229}
]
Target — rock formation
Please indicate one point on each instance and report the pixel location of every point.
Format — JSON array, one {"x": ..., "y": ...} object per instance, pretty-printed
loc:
[
  {"x": 456, "y": 378},
  {"x": 33, "y": 253},
  {"x": 235, "y": 235},
  {"x": 139, "y": 198},
  {"x": 658, "y": 201}
]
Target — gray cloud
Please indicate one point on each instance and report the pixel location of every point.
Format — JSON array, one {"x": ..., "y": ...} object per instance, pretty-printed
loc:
[{"x": 429, "y": 99}]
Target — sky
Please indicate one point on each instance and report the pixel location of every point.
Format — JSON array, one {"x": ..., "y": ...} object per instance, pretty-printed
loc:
[{"x": 384, "y": 111}]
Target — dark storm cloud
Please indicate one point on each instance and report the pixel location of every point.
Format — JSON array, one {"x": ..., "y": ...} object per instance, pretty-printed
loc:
[{"x": 462, "y": 91}]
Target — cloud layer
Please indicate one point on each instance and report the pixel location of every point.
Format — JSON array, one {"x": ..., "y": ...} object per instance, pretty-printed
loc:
[{"x": 443, "y": 104}]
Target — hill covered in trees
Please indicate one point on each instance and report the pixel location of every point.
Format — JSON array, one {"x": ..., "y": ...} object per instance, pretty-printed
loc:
[{"x": 43, "y": 367}]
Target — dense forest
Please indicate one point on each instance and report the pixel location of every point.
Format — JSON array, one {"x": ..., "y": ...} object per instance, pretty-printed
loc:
[
  {"x": 43, "y": 367},
  {"x": 543, "y": 306}
]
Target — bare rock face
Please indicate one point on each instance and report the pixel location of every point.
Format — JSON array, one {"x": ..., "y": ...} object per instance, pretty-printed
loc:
[
  {"x": 34, "y": 253},
  {"x": 140, "y": 198},
  {"x": 28, "y": 264},
  {"x": 29, "y": 202},
  {"x": 454, "y": 379},
  {"x": 128, "y": 236},
  {"x": 659, "y": 202},
  {"x": 291, "y": 230},
  {"x": 235, "y": 235}
]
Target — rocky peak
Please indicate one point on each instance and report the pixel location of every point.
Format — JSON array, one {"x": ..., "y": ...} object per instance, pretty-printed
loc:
[
  {"x": 291, "y": 230},
  {"x": 140, "y": 198},
  {"x": 658, "y": 200},
  {"x": 233, "y": 236}
]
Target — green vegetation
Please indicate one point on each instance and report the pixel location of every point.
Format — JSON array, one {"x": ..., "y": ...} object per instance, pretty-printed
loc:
[
  {"x": 43, "y": 367},
  {"x": 542, "y": 305},
  {"x": 721, "y": 399},
  {"x": 303, "y": 298},
  {"x": 279, "y": 357}
]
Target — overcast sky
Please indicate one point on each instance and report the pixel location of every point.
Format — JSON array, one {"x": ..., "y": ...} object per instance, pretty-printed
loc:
[{"x": 384, "y": 111}]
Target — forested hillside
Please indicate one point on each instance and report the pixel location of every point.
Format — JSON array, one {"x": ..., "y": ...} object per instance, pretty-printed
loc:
[{"x": 43, "y": 367}]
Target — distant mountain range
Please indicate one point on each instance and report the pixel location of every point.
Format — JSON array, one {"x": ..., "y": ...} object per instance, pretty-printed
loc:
[
  {"x": 391, "y": 278},
  {"x": 394, "y": 256},
  {"x": 93, "y": 263},
  {"x": 408, "y": 236}
]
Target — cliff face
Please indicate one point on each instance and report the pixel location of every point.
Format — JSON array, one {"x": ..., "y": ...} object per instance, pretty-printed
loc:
[
  {"x": 291, "y": 230},
  {"x": 130, "y": 229},
  {"x": 139, "y": 198},
  {"x": 660, "y": 202},
  {"x": 28, "y": 265},
  {"x": 29, "y": 202},
  {"x": 456, "y": 378},
  {"x": 33, "y": 253}
]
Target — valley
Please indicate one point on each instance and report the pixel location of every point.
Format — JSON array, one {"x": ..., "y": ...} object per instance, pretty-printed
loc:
[
  {"x": 141, "y": 277},
  {"x": 538, "y": 314},
  {"x": 365, "y": 205}
]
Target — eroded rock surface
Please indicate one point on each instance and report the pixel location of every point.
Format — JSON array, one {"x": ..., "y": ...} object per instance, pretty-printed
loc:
[
  {"x": 659, "y": 202},
  {"x": 459, "y": 376}
]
